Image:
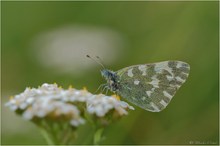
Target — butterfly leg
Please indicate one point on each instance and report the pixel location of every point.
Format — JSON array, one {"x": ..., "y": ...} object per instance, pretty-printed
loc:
[
  {"x": 105, "y": 88},
  {"x": 100, "y": 87},
  {"x": 106, "y": 91}
]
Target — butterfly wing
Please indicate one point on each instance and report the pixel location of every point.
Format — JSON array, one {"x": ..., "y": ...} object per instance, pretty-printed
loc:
[{"x": 152, "y": 86}]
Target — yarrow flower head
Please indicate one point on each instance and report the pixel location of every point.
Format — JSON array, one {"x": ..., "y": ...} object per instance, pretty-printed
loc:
[
  {"x": 54, "y": 104},
  {"x": 101, "y": 105},
  {"x": 45, "y": 102}
]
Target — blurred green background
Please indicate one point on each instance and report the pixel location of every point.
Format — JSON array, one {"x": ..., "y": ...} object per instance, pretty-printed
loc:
[{"x": 142, "y": 32}]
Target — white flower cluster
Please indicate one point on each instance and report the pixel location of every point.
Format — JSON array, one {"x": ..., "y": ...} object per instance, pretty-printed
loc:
[
  {"x": 51, "y": 100},
  {"x": 102, "y": 104}
]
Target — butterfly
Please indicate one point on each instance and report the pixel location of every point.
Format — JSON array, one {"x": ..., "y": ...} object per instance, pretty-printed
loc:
[{"x": 148, "y": 86}]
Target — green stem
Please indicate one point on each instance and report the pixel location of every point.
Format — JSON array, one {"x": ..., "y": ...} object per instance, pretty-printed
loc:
[
  {"x": 98, "y": 136},
  {"x": 48, "y": 132},
  {"x": 66, "y": 135},
  {"x": 47, "y": 136},
  {"x": 57, "y": 133}
]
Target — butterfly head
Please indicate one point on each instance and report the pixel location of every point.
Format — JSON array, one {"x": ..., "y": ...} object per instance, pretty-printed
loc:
[
  {"x": 107, "y": 74},
  {"x": 111, "y": 79}
]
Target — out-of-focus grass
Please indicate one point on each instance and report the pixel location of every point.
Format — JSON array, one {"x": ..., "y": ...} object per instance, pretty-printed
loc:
[{"x": 154, "y": 31}]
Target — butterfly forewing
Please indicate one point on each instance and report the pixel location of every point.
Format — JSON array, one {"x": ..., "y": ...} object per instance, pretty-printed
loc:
[{"x": 152, "y": 86}]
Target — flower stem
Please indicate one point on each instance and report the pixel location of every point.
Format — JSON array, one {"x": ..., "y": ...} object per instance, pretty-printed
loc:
[
  {"x": 47, "y": 137},
  {"x": 48, "y": 131},
  {"x": 98, "y": 136}
]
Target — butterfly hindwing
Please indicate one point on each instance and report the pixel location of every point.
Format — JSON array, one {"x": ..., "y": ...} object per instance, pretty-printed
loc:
[{"x": 152, "y": 86}]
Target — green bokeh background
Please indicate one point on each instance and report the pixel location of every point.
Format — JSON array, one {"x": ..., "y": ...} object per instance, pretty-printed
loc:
[{"x": 156, "y": 31}]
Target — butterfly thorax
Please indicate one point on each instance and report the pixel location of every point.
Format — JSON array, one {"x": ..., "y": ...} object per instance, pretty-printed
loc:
[{"x": 111, "y": 78}]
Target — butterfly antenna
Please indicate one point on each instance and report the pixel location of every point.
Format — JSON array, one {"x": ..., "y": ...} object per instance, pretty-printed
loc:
[
  {"x": 100, "y": 60},
  {"x": 96, "y": 61}
]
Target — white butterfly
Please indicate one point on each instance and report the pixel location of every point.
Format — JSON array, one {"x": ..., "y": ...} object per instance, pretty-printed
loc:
[{"x": 149, "y": 86}]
